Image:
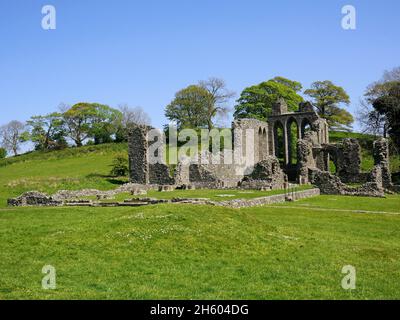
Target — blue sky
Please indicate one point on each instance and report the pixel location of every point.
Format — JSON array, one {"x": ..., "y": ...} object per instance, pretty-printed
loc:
[{"x": 142, "y": 52}]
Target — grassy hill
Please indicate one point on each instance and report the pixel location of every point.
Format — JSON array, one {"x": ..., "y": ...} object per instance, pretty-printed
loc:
[{"x": 294, "y": 250}]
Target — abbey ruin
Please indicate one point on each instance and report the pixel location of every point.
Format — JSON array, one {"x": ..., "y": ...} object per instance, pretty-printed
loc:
[
  {"x": 280, "y": 154},
  {"x": 290, "y": 148}
]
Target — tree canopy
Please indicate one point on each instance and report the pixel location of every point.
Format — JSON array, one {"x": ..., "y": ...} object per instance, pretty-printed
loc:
[
  {"x": 12, "y": 135},
  {"x": 189, "y": 109},
  {"x": 257, "y": 101},
  {"x": 47, "y": 132},
  {"x": 196, "y": 106},
  {"x": 327, "y": 98},
  {"x": 91, "y": 120},
  {"x": 371, "y": 119},
  {"x": 388, "y": 105}
]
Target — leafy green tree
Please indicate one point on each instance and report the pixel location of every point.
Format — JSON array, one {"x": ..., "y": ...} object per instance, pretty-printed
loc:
[
  {"x": 47, "y": 132},
  {"x": 257, "y": 101},
  {"x": 105, "y": 123},
  {"x": 388, "y": 105},
  {"x": 372, "y": 120},
  {"x": 91, "y": 120},
  {"x": 296, "y": 86},
  {"x": 3, "y": 153},
  {"x": 327, "y": 98},
  {"x": 189, "y": 109}
]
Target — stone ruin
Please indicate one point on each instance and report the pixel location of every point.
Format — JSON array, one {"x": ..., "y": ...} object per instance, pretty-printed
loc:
[
  {"x": 273, "y": 148},
  {"x": 264, "y": 171},
  {"x": 274, "y": 151},
  {"x": 314, "y": 167}
]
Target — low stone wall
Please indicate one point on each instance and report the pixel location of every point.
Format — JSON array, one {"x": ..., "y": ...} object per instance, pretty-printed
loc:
[
  {"x": 331, "y": 184},
  {"x": 279, "y": 198},
  {"x": 34, "y": 198},
  {"x": 40, "y": 199}
]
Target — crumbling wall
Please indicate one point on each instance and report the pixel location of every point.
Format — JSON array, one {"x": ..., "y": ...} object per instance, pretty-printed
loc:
[
  {"x": 266, "y": 174},
  {"x": 182, "y": 172},
  {"x": 137, "y": 151},
  {"x": 309, "y": 156},
  {"x": 381, "y": 158},
  {"x": 330, "y": 184},
  {"x": 348, "y": 164},
  {"x": 159, "y": 173},
  {"x": 33, "y": 198},
  {"x": 255, "y": 131},
  {"x": 141, "y": 169}
]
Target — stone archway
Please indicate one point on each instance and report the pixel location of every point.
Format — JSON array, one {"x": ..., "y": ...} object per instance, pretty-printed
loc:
[
  {"x": 305, "y": 127},
  {"x": 293, "y": 136},
  {"x": 280, "y": 141}
]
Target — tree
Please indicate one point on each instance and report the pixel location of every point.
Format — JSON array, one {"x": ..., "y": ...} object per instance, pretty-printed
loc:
[
  {"x": 12, "y": 135},
  {"x": 189, "y": 109},
  {"x": 219, "y": 96},
  {"x": 296, "y": 86},
  {"x": 371, "y": 120},
  {"x": 133, "y": 116},
  {"x": 3, "y": 153},
  {"x": 47, "y": 132},
  {"x": 130, "y": 116},
  {"x": 388, "y": 105},
  {"x": 327, "y": 98},
  {"x": 257, "y": 101},
  {"x": 91, "y": 120},
  {"x": 105, "y": 123}
]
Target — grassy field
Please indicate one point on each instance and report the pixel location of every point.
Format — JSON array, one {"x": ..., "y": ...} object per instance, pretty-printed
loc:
[{"x": 287, "y": 251}]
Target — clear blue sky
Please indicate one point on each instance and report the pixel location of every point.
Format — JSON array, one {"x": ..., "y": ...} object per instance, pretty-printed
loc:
[{"x": 142, "y": 52}]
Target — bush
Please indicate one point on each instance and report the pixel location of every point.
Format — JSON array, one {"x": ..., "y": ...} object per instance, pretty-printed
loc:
[
  {"x": 3, "y": 153},
  {"x": 120, "y": 166}
]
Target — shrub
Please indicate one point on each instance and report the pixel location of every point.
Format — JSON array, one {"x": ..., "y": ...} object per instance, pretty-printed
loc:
[
  {"x": 120, "y": 167},
  {"x": 3, "y": 153}
]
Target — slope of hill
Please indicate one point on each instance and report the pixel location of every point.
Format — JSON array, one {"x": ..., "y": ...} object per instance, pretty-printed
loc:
[{"x": 72, "y": 168}]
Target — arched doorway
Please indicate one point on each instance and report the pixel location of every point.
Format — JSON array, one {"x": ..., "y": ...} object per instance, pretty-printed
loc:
[
  {"x": 260, "y": 144},
  {"x": 305, "y": 127},
  {"x": 293, "y": 138},
  {"x": 279, "y": 141}
]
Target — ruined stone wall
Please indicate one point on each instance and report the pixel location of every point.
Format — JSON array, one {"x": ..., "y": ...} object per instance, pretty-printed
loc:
[
  {"x": 381, "y": 158},
  {"x": 260, "y": 136},
  {"x": 348, "y": 163},
  {"x": 214, "y": 170},
  {"x": 305, "y": 160},
  {"x": 137, "y": 151},
  {"x": 142, "y": 169},
  {"x": 330, "y": 184},
  {"x": 267, "y": 174}
]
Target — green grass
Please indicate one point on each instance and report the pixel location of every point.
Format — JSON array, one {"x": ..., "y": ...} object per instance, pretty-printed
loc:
[
  {"x": 70, "y": 169},
  {"x": 201, "y": 252},
  {"x": 286, "y": 251}
]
